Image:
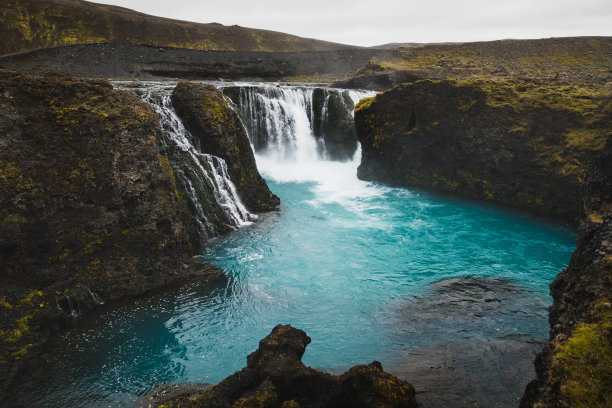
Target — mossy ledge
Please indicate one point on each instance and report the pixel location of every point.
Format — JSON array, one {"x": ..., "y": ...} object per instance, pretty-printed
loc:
[
  {"x": 520, "y": 143},
  {"x": 89, "y": 208},
  {"x": 217, "y": 127}
]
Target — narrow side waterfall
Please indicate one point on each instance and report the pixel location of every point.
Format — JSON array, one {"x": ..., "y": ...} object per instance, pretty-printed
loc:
[{"x": 212, "y": 197}]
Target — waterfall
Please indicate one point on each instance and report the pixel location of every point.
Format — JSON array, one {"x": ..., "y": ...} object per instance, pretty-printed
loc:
[
  {"x": 298, "y": 124},
  {"x": 211, "y": 195}
]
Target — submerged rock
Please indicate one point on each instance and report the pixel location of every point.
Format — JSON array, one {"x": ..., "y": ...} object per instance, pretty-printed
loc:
[
  {"x": 275, "y": 377},
  {"x": 219, "y": 132},
  {"x": 484, "y": 330},
  {"x": 524, "y": 144}
]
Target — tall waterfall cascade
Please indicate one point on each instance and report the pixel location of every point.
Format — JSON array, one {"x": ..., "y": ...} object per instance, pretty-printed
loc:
[
  {"x": 299, "y": 124},
  {"x": 211, "y": 195}
]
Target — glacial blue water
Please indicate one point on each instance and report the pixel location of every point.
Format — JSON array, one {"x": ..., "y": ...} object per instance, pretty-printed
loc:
[{"x": 343, "y": 260}]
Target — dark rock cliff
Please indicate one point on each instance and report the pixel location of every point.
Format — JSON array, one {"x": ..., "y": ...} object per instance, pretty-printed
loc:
[
  {"x": 275, "y": 377},
  {"x": 89, "y": 208},
  {"x": 524, "y": 144},
  {"x": 218, "y": 130},
  {"x": 575, "y": 368},
  {"x": 333, "y": 122},
  {"x": 545, "y": 148}
]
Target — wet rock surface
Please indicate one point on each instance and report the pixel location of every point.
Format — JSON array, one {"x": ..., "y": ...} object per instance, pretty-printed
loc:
[
  {"x": 334, "y": 124},
  {"x": 219, "y": 132},
  {"x": 276, "y": 377},
  {"x": 89, "y": 209}
]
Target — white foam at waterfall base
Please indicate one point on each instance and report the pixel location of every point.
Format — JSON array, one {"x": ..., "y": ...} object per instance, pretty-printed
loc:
[
  {"x": 293, "y": 154},
  {"x": 336, "y": 182}
]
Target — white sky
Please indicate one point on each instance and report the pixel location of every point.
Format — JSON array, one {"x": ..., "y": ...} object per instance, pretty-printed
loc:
[{"x": 375, "y": 22}]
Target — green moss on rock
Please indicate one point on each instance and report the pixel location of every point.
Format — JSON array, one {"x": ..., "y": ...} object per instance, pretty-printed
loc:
[
  {"x": 584, "y": 362},
  {"x": 522, "y": 143}
]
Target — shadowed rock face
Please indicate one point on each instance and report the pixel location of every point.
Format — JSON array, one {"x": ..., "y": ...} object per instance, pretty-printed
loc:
[
  {"x": 525, "y": 144},
  {"x": 275, "y": 377},
  {"x": 333, "y": 122},
  {"x": 574, "y": 368},
  {"x": 89, "y": 208},
  {"x": 219, "y": 132}
]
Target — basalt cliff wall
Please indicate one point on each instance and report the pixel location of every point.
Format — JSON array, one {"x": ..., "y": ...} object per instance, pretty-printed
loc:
[
  {"x": 90, "y": 210},
  {"x": 541, "y": 147},
  {"x": 519, "y": 143}
]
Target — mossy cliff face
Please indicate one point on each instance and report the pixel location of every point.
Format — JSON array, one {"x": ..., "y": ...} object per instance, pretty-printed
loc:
[
  {"x": 89, "y": 209},
  {"x": 524, "y": 144},
  {"x": 275, "y": 377},
  {"x": 575, "y": 368},
  {"x": 218, "y": 130},
  {"x": 32, "y": 24}
]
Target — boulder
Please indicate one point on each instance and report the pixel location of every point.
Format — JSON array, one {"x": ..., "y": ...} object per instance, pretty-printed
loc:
[{"x": 275, "y": 377}]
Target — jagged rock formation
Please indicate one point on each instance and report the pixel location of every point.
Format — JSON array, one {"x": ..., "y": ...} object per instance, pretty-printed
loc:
[
  {"x": 525, "y": 144},
  {"x": 89, "y": 208},
  {"x": 31, "y": 24},
  {"x": 575, "y": 368},
  {"x": 275, "y": 377},
  {"x": 219, "y": 131}
]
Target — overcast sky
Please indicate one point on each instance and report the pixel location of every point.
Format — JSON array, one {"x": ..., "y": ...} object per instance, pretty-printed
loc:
[{"x": 374, "y": 22}]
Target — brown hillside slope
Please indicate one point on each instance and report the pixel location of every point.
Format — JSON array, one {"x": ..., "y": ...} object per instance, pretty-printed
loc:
[
  {"x": 31, "y": 24},
  {"x": 569, "y": 59}
]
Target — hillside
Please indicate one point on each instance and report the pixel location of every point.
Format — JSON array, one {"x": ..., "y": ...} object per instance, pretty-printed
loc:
[
  {"x": 570, "y": 59},
  {"x": 32, "y": 24}
]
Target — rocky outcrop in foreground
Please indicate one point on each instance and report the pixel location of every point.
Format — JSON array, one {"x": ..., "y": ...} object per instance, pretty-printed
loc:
[
  {"x": 275, "y": 377},
  {"x": 218, "y": 131},
  {"x": 524, "y": 144},
  {"x": 89, "y": 208}
]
